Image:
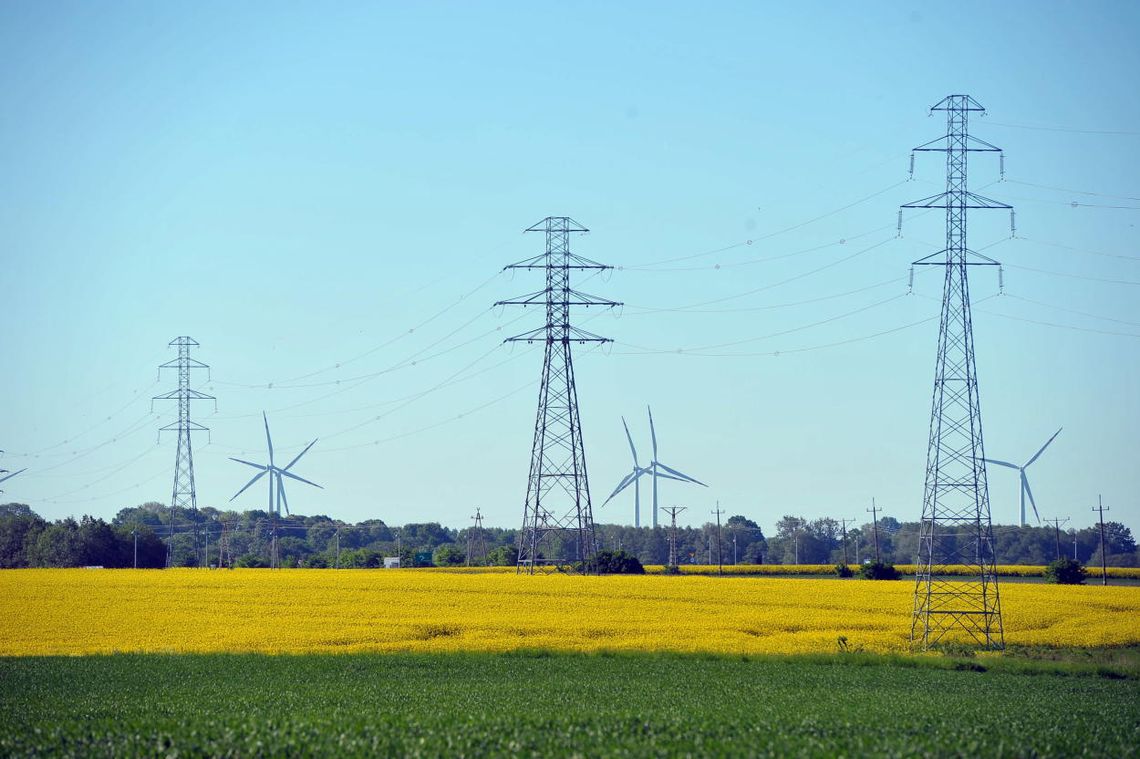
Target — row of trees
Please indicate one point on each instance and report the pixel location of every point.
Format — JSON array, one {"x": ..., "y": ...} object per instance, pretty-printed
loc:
[{"x": 143, "y": 536}]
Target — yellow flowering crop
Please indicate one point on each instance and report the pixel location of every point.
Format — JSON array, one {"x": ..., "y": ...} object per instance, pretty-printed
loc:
[{"x": 99, "y": 611}]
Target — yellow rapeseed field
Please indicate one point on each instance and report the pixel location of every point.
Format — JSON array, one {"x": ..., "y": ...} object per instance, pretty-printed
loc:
[{"x": 100, "y": 611}]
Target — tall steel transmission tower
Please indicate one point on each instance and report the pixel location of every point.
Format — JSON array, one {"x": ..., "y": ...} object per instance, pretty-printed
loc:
[
  {"x": 558, "y": 521},
  {"x": 956, "y": 527},
  {"x": 184, "y": 495}
]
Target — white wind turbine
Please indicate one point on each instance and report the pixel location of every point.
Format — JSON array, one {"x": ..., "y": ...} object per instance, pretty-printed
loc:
[
  {"x": 1024, "y": 490},
  {"x": 656, "y": 469}
]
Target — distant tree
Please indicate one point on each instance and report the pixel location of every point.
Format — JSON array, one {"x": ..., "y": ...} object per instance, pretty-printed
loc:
[
  {"x": 503, "y": 556},
  {"x": 448, "y": 555},
  {"x": 19, "y": 527},
  {"x": 57, "y": 545}
]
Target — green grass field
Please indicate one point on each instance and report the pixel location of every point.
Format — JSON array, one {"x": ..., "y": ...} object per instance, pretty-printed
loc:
[{"x": 622, "y": 705}]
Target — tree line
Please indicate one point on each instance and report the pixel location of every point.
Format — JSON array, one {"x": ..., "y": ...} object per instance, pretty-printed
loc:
[{"x": 144, "y": 536}]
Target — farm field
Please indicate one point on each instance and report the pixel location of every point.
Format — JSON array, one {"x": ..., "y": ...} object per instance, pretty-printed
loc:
[
  {"x": 615, "y": 705},
  {"x": 52, "y": 612}
]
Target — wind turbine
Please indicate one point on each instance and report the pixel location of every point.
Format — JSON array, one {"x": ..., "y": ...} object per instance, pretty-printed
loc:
[
  {"x": 656, "y": 469},
  {"x": 1025, "y": 480},
  {"x": 276, "y": 474}
]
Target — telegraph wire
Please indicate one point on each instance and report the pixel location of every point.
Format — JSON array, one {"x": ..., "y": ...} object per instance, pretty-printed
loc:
[
  {"x": 773, "y": 306},
  {"x": 698, "y": 349},
  {"x": 647, "y": 309},
  {"x": 1072, "y": 311},
  {"x": 769, "y": 235},
  {"x": 1074, "y": 192},
  {"x": 1135, "y": 259},
  {"x": 1069, "y": 130},
  {"x": 1074, "y": 276}
]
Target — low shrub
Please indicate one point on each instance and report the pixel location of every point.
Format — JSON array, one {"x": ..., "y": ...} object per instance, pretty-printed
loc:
[
  {"x": 877, "y": 570},
  {"x": 842, "y": 570},
  {"x": 1066, "y": 572}
]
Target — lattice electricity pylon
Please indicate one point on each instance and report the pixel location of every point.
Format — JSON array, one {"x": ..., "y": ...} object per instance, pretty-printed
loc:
[
  {"x": 956, "y": 526},
  {"x": 184, "y": 494},
  {"x": 558, "y": 521},
  {"x": 476, "y": 542}
]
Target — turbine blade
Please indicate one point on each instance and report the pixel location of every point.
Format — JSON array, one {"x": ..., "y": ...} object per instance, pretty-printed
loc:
[
  {"x": 13, "y": 474},
  {"x": 1050, "y": 440},
  {"x": 268, "y": 439},
  {"x": 1001, "y": 463},
  {"x": 256, "y": 477},
  {"x": 298, "y": 479},
  {"x": 299, "y": 455},
  {"x": 629, "y": 437},
  {"x": 652, "y": 433},
  {"x": 249, "y": 463},
  {"x": 1029, "y": 492},
  {"x": 682, "y": 475},
  {"x": 625, "y": 482}
]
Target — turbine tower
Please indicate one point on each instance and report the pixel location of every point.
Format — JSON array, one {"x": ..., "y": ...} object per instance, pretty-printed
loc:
[
  {"x": 184, "y": 494},
  {"x": 656, "y": 470},
  {"x": 277, "y": 477},
  {"x": 558, "y": 490},
  {"x": 1024, "y": 488},
  {"x": 955, "y": 526}
]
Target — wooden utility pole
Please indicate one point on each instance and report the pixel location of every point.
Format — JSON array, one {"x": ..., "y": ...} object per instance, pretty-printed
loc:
[
  {"x": 875, "y": 524},
  {"x": 1100, "y": 507},
  {"x": 719, "y": 559},
  {"x": 1057, "y": 530},
  {"x": 844, "y": 523}
]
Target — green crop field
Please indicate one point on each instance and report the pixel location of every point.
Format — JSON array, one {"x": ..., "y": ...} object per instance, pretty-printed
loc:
[{"x": 544, "y": 705}]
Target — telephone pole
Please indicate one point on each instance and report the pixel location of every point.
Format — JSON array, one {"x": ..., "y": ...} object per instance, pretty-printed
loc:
[
  {"x": 719, "y": 559},
  {"x": 844, "y": 523},
  {"x": 1100, "y": 507},
  {"x": 1057, "y": 528},
  {"x": 558, "y": 490},
  {"x": 224, "y": 545},
  {"x": 184, "y": 495},
  {"x": 956, "y": 493},
  {"x": 875, "y": 527},
  {"x": 673, "y": 511}
]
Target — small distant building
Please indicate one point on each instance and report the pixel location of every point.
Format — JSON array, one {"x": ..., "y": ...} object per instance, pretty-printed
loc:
[{"x": 391, "y": 562}]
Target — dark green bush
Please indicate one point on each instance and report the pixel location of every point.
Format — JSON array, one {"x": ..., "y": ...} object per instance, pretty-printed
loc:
[
  {"x": 842, "y": 570},
  {"x": 672, "y": 569},
  {"x": 1066, "y": 572},
  {"x": 615, "y": 563},
  {"x": 877, "y": 570}
]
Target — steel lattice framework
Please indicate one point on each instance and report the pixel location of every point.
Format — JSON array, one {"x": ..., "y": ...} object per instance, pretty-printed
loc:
[
  {"x": 956, "y": 527},
  {"x": 184, "y": 494},
  {"x": 558, "y": 522}
]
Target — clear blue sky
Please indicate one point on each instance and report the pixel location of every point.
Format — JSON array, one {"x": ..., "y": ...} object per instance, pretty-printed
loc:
[{"x": 298, "y": 187}]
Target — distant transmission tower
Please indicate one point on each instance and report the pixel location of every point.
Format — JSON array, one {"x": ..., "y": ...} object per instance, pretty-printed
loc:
[
  {"x": 558, "y": 490},
  {"x": 476, "y": 542},
  {"x": 673, "y": 511},
  {"x": 184, "y": 495},
  {"x": 956, "y": 525}
]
